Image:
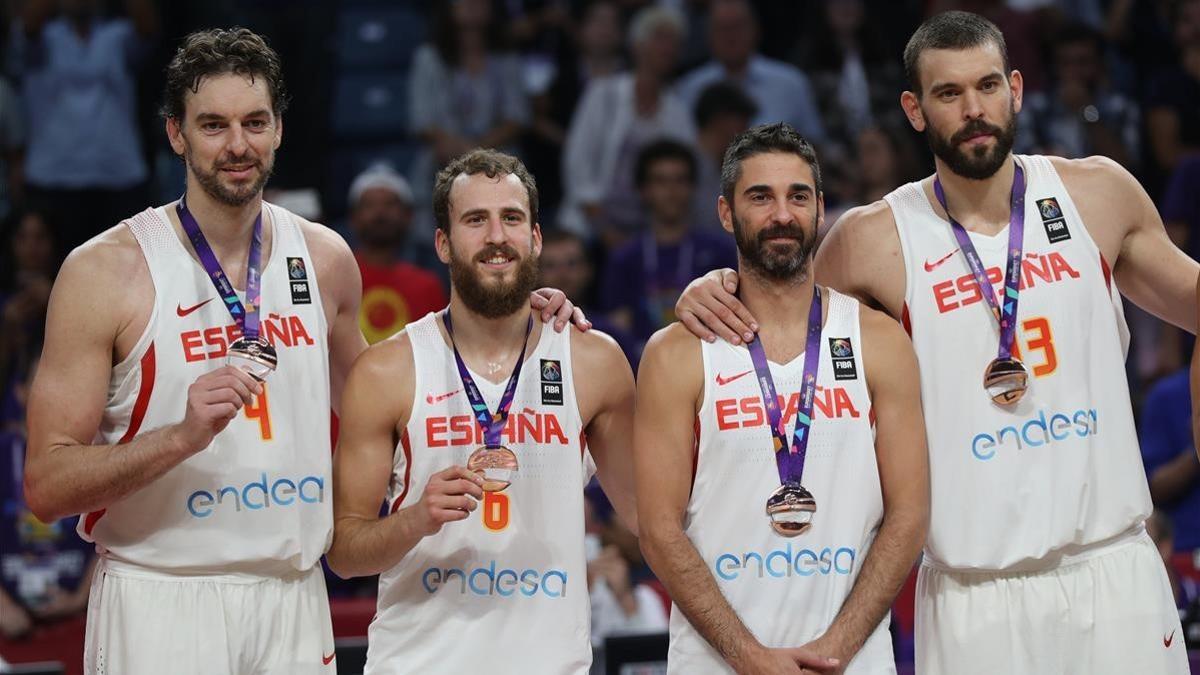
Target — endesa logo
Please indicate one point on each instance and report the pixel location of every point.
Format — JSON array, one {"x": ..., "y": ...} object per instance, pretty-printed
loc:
[
  {"x": 488, "y": 581},
  {"x": 259, "y": 494},
  {"x": 211, "y": 343},
  {"x": 786, "y": 562},
  {"x": 1045, "y": 428},
  {"x": 1049, "y": 268}
]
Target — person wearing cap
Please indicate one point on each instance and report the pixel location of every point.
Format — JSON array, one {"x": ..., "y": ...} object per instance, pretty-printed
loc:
[{"x": 395, "y": 289}]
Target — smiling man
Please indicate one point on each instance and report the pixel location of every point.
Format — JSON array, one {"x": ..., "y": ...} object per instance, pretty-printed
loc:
[
  {"x": 481, "y": 414},
  {"x": 205, "y": 477},
  {"x": 1005, "y": 270}
]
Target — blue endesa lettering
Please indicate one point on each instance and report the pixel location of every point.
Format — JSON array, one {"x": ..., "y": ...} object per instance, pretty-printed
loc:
[
  {"x": 786, "y": 562},
  {"x": 1036, "y": 431},
  {"x": 489, "y": 581},
  {"x": 258, "y": 494}
]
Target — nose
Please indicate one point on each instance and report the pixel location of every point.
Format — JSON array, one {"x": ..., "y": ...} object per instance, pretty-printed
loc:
[
  {"x": 237, "y": 140},
  {"x": 972, "y": 105},
  {"x": 495, "y": 230},
  {"x": 781, "y": 215}
]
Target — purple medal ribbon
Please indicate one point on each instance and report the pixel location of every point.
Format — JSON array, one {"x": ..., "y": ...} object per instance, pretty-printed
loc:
[
  {"x": 492, "y": 424},
  {"x": 790, "y": 460},
  {"x": 1007, "y": 315},
  {"x": 246, "y": 316}
]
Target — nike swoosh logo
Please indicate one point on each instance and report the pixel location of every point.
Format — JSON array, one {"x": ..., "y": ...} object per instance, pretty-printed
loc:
[
  {"x": 328, "y": 659},
  {"x": 431, "y": 399},
  {"x": 184, "y": 311},
  {"x": 722, "y": 381},
  {"x": 1168, "y": 640},
  {"x": 931, "y": 267}
]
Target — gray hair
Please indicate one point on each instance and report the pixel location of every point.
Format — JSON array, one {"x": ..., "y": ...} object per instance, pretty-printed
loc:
[{"x": 650, "y": 19}]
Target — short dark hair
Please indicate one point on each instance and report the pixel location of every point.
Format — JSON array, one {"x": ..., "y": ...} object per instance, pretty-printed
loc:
[
  {"x": 218, "y": 51},
  {"x": 762, "y": 139},
  {"x": 657, "y": 151},
  {"x": 491, "y": 163},
  {"x": 720, "y": 99},
  {"x": 950, "y": 30}
]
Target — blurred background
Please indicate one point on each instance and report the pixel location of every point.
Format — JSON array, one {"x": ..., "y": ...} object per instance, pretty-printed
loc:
[{"x": 622, "y": 110}]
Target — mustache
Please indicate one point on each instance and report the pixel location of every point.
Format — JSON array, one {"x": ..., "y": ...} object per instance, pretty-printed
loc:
[
  {"x": 974, "y": 128},
  {"x": 239, "y": 161},
  {"x": 782, "y": 232},
  {"x": 492, "y": 249}
]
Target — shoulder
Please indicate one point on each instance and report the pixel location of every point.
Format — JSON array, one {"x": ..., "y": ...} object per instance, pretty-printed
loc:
[
  {"x": 330, "y": 252},
  {"x": 887, "y": 349},
  {"x": 595, "y": 348},
  {"x": 105, "y": 260},
  {"x": 1099, "y": 179},
  {"x": 672, "y": 345},
  {"x": 870, "y": 223},
  {"x": 385, "y": 362}
]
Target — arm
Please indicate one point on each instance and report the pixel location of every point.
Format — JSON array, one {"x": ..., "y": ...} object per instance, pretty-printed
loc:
[
  {"x": 1125, "y": 224},
  {"x": 64, "y": 473},
  {"x": 1196, "y": 385},
  {"x": 379, "y": 395},
  {"x": 604, "y": 385},
  {"x": 670, "y": 388},
  {"x": 900, "y": 452},
  {"x": 341, "y": 293}
]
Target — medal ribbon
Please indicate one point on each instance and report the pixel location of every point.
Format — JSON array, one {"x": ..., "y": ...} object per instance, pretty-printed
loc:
[
  {"x": 789, "y": 459},
  {"x": 492, "y": 424},
  {"x": 246, "y": 317},
  {"x": 1006, "y": 315}
]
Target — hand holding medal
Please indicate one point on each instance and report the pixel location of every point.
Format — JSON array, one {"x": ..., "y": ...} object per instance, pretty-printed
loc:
[
  {"x": 251, "y": 352},
  {"x": 1005, "y": 378},
  {"x": 494, "y": 462},
  {"x": 791, "y": 507}
]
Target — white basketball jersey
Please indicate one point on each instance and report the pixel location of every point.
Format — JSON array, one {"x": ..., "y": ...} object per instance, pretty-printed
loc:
[
  {"x": 257, "y": 499},
  {"x": 786, "y": 591},
  {"x": 1014, "y": 486},
  {"x": 504, "y": 591}
]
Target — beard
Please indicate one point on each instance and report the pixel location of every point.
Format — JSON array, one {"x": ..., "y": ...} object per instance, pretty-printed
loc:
[
  {"x": 237, "y": 195},
  {"x": 978, "y": 163},
  {"x": 757, "y": 255},
  {"x": 497, "y": 299}
]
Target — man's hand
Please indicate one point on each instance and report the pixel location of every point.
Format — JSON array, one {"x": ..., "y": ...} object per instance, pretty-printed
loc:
[
  {"x": 451, "y": 494},
  {"x": 709, "y": 308},
  {"x": 213, "y": 400},
  {"x": 554, "y": 303},
  {"x": 785, "y": 661},
  {"x": 830, "y": 647}
]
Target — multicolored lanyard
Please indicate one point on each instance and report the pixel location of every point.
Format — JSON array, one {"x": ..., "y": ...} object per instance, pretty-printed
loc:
[
  {"x": 491, "y": 423},
  {"x": 245, "y": 316}
]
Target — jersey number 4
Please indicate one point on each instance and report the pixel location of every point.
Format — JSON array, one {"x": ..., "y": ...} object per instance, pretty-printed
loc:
[{"x": 258, "y": 409}]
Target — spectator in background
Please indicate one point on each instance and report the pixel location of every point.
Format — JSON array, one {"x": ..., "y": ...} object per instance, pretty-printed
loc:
[
  {"x": 1170, "y": 456},
  {"x": 781, "y": 92},
  {"x": 84, "y": 164},
  {"x": 1173, "y": 104},
  {"x": 884, "y": 159},
  {"x": 722, "y": 112},
  {"x": 595, "y": 52},
  {"x": 45, "y": 569},
  {"x": 396, "y": 291},
  {"x": 566, "y": 264},
  {"x": 853, "y": 75},
  {"x": 643, "y": 279},
  {"x": 1080, "y": 114},
  {"x": 617, "y": 116},
  {"x": 465, "y": 91},
  {"x": 12, "y": 149},
  {"x": 1162, "y": 533},
  {"x": 29, "y": 264}
]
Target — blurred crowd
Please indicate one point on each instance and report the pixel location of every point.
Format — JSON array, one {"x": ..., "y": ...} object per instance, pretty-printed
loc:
[{"x": 622, "y": 109}]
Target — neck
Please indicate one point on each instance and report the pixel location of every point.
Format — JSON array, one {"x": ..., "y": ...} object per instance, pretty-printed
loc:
[
  {"x": 979, "y": 205},
  {"x": 224, "y": 226},
  {"x": 480, "y": 338},
  {"x": 668, "y": 231},
  {"x": 780, "y": 306}
]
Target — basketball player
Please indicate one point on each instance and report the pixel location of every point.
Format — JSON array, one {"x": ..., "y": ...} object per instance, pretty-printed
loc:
[
  {"x": 1037, "y": 558},
  {"x": 481, "y": 384},
  {"x": 753, "y": 599}
]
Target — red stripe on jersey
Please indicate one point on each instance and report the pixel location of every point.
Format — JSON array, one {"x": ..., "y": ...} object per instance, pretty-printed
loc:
[
  {"x": 906, "y": 320},
  {"x": 333, "y": 430},
  {"x": 582, "y": 442},
  {"x": 404, "y": 444},
  {"x": 1107, "y": 273},
  {"x": 695, "y": 452},
  {"x": 135, "y": 421},
  {"x": 871, "y": 416}
]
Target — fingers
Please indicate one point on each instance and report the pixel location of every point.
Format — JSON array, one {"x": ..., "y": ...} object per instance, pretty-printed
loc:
[
  {"x": 729, "y": 280},
  {"x": 695, "y": 325},
  {"x": 564, "y": 314},
  {"x": 712, "y": 322},
  {"x": 551, "y": 300},
  {"x": 457, "y": 471},
  {"x": 445, "y": 502},
  {"x": 729, "y": 311},
  {"x": 809, "y": 659},
  {"x": 580, "y": 320}
]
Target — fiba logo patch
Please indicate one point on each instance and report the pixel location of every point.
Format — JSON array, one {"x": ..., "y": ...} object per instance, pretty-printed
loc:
[
  {"x": 841, "y": 351},
  {"x": 298, "y": 281},
  {"x": 1052, "y": 220},
  {"x": 552, "y": 393}
]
